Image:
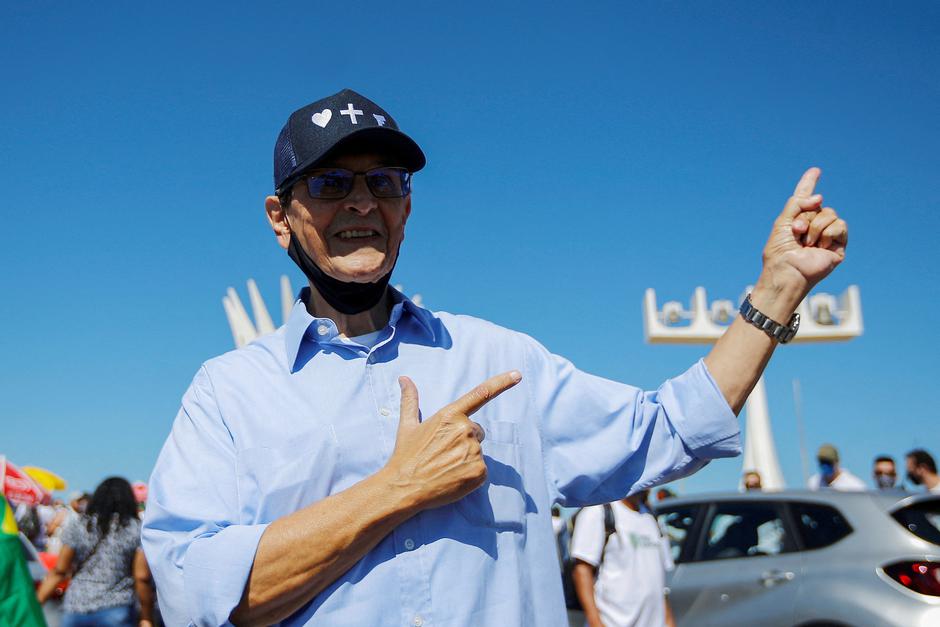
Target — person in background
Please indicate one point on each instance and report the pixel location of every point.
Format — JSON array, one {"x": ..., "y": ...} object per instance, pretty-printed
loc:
[
  {"x": 78, "y": 501},
  {"x": 621, "y": 578},
  {"x": 101, "y": 551},
  {"x": 922, "y": 470},
  {"x": 831, "y": 474},
  {"x": 884, "y": 472},
  {"x": 752, "y": 481},
  {"x": 664, "y": 493}
]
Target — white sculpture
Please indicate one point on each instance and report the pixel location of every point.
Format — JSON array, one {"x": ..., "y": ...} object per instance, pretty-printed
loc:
[{"x": 823, "y": 318}]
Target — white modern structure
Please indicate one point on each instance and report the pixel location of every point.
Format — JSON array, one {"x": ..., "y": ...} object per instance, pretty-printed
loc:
[
  {"x": 244, "y": 330},
  {"x": 823, "y": 318}
]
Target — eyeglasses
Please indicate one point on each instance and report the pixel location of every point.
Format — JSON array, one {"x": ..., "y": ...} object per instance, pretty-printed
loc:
[{"x": 336, "y": 183}]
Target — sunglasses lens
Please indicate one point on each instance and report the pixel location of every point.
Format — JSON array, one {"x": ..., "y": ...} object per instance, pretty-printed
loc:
[
  {"x": 332, "y": 184},
  {"x": 389, "y": 182}
]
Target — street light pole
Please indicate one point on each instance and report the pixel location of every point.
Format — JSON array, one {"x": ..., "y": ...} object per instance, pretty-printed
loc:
[{"x": 824, "y": 318}]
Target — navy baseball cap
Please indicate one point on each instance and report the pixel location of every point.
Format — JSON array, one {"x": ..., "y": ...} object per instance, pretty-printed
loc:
[{"x": 344, "y": 119}]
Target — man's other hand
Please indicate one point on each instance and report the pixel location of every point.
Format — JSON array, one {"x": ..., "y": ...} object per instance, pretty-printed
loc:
[
  {"x": 808, "y": 240},
  {"x": 440, "y": 460},
  {"x": 806, "y": 243}
]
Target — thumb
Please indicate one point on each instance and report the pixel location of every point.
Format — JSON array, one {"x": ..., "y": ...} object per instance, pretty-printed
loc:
[{"x": 408, "y": 416}]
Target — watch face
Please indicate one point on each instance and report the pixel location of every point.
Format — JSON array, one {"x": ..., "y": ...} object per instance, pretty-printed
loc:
[{"x": 795, "y": 325}]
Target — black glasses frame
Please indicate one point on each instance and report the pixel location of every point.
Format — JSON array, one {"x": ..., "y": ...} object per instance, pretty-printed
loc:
[{"x": 315, "y": 181}]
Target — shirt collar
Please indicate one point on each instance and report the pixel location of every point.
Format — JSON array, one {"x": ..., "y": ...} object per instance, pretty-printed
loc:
[{"x": 302, "y": 326}]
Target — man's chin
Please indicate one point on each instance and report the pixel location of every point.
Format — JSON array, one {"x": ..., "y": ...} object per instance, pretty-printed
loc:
[{"x": 358, "y": 276}]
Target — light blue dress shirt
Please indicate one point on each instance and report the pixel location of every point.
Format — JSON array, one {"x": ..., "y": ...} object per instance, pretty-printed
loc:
[{"x": 302, "y": 413}]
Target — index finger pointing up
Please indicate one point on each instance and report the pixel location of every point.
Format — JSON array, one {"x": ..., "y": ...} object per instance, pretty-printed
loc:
[
  {"x": 472, "y": 401},
  {"x": 807, "y": 184}
]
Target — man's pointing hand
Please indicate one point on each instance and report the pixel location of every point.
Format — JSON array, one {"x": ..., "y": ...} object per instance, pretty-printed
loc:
[
  {"x": 440, "y": 460},
  {"x": 808, "y": 240}
]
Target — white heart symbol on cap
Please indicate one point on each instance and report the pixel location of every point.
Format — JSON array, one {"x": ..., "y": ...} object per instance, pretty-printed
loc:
[{"x": 322, "y": 119}]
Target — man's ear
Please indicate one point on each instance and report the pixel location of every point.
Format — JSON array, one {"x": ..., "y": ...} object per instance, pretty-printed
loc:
[{"x": 277, "y": 217}]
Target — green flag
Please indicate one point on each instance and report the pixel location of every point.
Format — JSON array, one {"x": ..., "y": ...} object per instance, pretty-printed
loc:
[{"x": 18, "y": 604}]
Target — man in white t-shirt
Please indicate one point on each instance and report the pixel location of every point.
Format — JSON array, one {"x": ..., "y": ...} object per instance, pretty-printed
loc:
[
  {"x": 620, "y": 578},
  {"x": 831, "y": 474}
]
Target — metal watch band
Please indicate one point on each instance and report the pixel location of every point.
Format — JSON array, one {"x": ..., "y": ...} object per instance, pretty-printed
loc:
[{"x": 777, "y": 331}]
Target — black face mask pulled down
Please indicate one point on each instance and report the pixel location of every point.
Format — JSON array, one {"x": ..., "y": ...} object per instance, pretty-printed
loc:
[{"x": 347, "y": 298}]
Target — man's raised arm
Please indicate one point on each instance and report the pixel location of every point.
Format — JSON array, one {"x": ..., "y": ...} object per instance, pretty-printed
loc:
[{"x": 807, "y": 242}]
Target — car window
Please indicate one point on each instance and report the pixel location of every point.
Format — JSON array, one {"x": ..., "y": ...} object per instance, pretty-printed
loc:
[
  {"x": 745, "y": 530},
  {"x": 819, "y": 525},
  {"x": 676, "y": 525},
  {"x": 922, "y": 519}
]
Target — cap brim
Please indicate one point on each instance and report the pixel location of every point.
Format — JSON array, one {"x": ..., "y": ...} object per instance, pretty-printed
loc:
[{"x": 385, "y": 141}]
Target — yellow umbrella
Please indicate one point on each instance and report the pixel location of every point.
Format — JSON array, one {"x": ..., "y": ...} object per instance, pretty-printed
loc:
[{"x": 46, "y": 478}]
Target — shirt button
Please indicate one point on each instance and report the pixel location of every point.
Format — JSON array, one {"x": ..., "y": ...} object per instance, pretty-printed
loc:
[
  {"x": 384, "y": 411},
  {"x": 323, "y": 329},
  {"x": 409, "y": 544},
  {"x": 418, "y": 621}
]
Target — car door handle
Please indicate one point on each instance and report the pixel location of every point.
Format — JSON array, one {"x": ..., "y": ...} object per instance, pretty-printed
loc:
[{"x": 773, "y": 577}]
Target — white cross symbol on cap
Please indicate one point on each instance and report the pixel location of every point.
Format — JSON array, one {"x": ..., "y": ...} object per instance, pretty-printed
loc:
[{"x": 352, "y": 113}]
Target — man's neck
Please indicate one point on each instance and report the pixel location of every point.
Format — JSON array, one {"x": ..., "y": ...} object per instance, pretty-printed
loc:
[
  {"x": 931, "y": 481},
  {"x": 351, "y": 325}
]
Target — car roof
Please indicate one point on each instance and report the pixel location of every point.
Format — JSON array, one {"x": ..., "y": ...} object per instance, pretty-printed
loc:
[{"x": 888, "y": 500}]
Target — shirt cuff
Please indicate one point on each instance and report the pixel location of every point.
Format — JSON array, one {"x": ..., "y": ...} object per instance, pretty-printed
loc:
[
  {"x": 701, "y": 415},
  {"x": 216, "y": 570}
]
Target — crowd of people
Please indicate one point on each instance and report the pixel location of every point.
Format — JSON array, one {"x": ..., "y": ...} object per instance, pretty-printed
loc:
[
  {"x": 921, "y": 471},
  {"x": 98, "y": 567},
  {"x": 616, "y": 555}
]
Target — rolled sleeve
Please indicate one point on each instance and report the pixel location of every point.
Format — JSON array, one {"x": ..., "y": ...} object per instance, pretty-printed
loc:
[
  {"x": 198, "y": 552},
  {"x": 701, "y": 415},
  {"x": 604, "y": 440},
  {"x": 216, "y": 568}
]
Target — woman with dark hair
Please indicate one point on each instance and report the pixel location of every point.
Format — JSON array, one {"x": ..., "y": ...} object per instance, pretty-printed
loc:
[{"x": 101, "y": 550}]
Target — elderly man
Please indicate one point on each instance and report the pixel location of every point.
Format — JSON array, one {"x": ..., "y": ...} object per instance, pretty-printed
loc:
[{"x": 306, "y": 481}]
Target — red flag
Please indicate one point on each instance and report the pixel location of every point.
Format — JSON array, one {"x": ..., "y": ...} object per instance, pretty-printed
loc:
[{"x": 20, "y": 488}]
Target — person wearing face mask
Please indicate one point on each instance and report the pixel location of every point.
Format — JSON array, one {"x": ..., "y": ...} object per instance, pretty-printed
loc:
[
  {"x": 922, "y": 470},
  {"x": 831, "y": 474},
  {"x": 884, "y": 472},
  {"x": 307, "y": 482}
]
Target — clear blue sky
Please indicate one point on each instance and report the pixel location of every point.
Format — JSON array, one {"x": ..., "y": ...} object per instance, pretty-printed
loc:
[{"x": 577, "y": 154}]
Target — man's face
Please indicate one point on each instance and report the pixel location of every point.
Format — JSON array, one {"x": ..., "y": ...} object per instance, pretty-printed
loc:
[
  {"x": 913, "y": 472},
  {"x": 752, "y": 481},
  {"x": 354, "y": 239},
  {"x": 827, "y": 469},
  {"x": 885, "y": 473}
]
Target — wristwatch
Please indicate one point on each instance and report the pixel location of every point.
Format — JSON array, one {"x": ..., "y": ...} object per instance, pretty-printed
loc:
[{"x": 777, "y": 331}]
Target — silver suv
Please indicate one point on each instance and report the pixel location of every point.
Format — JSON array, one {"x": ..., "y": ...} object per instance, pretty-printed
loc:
[{"x": 804, "y": 558}]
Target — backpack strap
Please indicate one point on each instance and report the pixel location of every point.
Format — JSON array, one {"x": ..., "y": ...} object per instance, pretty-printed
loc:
[{"x": 609, "y": 529}]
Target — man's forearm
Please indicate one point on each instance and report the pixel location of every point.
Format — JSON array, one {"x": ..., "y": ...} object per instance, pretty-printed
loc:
[
  {"x": 740, "y": 355},
  {"x": 332, "y": 535},
  {"x": 583, "y": 577}
]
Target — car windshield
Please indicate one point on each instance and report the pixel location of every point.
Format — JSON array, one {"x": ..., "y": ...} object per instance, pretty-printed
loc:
[{"x": 922, "y": 519}]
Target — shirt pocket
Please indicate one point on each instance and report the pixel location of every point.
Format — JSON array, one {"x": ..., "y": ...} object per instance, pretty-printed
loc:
[
  {"x": 274, "y": 481},
  {"x": 501, "y": 501}
]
